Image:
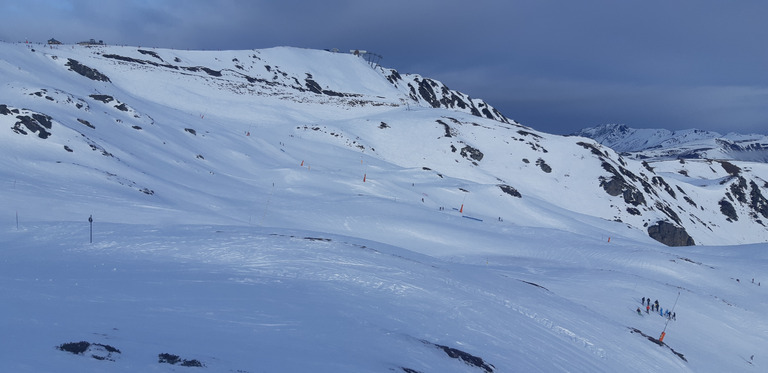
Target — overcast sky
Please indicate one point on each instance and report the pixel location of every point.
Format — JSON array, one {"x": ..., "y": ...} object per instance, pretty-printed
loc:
[{"x": 556, "y": 66}]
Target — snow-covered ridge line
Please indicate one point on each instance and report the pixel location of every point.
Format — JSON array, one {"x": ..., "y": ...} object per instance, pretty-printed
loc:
[
  {"x": 158, "y": 121},
  {"x": 438, "y": 95}
]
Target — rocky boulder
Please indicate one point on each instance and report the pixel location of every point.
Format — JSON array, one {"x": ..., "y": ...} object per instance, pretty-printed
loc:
[{"x": 670, "y": 234}]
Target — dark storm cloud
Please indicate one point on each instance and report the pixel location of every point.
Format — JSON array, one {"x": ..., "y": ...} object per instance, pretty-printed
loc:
[{"x": 556, "y": 66}]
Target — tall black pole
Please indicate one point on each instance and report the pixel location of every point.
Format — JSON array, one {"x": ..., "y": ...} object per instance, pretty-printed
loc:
[{"x": 90, "y": 221}]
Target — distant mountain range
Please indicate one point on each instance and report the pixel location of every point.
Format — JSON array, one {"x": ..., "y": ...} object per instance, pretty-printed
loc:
[{"x": 660, "y": 144}]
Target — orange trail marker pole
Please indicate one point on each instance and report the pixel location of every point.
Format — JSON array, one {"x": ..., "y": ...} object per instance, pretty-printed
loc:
[
  {"x": 302, "y": 163},
  {"x": 461, "y": 210},
  {"x": 364, "y": 175}
]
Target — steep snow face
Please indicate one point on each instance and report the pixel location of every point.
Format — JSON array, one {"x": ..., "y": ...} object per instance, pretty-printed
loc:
[{"x": 237, "y": 137}]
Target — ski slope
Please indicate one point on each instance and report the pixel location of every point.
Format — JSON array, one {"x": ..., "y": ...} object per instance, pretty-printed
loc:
[
  {"x": 260, "y": 227},
  {"x": 253, "y": 299}
]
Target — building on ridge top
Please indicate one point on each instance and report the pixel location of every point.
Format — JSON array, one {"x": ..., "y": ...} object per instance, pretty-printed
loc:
[{"x": 91, "y": 42}]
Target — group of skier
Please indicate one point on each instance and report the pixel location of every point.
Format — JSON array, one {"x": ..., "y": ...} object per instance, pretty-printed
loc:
[{"x": 646, "y": 302}]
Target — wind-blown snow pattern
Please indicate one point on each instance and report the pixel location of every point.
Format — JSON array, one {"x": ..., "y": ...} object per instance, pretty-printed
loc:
[{"x": 297, "y": 210}]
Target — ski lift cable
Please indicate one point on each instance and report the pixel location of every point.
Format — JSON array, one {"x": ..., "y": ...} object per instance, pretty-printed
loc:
[{"x": 673, "y": 310}]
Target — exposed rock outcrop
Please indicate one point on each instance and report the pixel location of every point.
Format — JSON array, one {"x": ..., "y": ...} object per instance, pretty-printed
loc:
[
  {"x": 670, "y": 235},
  {"x": 86, "y": 71}
]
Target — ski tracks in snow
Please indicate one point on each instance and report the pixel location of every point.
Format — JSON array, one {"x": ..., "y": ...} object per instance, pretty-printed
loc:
[
  {"x": 501, "y": 296},
  {"x": 561, "y": 331}
]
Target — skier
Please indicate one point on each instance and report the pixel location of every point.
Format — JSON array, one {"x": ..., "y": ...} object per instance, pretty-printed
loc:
[
  {"x": 647, "y": 308},
  {"x": 640, "y": 313},
  {"x": 643, "y": 302}
]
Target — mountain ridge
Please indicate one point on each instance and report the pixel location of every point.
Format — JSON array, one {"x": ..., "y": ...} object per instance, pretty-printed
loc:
[
  {"x": 690, "y": 144},
  {"x": 118, "y": 114}
]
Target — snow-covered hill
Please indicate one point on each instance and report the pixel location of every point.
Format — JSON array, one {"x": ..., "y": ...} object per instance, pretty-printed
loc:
[
  {"x": 166, "y": 131},
  {"x": 301, "y": 210}
]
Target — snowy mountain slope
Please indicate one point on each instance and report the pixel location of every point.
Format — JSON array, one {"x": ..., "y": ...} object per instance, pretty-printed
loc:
[
  {"x": 152, "y": 119},
  {"x": 262, "y": 299},
  {"x": 661, "y": 144},
  {"x": 306, "y": 206},
  {"x": 728, "y": 169}
]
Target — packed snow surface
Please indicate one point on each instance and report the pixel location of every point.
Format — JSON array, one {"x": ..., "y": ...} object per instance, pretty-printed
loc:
[{"x": 254, "y": 299}]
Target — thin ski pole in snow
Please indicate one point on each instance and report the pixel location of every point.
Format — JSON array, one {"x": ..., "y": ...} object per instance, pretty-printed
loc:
[{"x": 266, "y": 205}]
